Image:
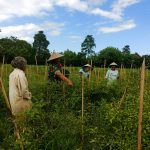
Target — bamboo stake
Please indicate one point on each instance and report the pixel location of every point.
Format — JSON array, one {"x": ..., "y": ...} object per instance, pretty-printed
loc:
[
  {"x": 121, "y": 72},
  {"x": 2, "y": 68},
  {"x": 5, "y": 95},
  {"x": 46, "y": 68},
  {"x": 82, "y": 115},
  {"x": 89, "y": 84},
  {"x": 141, "y": 105},
  {"x": 90, "y": 74},
  {"x": 98, "y": 76},
  {"x": 104, "y": 67},
  {"x": 64, "y": 75},
  {"x": 6, "y": 69},
  {"x": 9, "y": 107},
  {"x": 36, "y": 64}
]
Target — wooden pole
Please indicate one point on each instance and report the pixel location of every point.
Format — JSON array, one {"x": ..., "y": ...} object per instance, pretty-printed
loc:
[
  {"x": 64, "y": 75},
  {"x": 5, "y": 95},
  {"x": 82, "y": 109},
  {"x": 90, "y": 74},
  {"x": 121, "y": 72},
  {"x": 36, "y": 64},
  {"x": 141, "y": 105},
  {"x": 46, "y": 73},
  {"x": 98, "y": 76},
  {"x": 9, "y": 107},
  {"x": 104, "y": 67},
  {"x": 2, "y": 68}
]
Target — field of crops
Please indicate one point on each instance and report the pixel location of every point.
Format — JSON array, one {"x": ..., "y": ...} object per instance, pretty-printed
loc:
[{"x": 108, "y": 120}]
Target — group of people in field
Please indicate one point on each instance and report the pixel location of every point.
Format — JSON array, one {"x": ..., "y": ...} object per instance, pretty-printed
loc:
[{"x": 19, "y": 95}]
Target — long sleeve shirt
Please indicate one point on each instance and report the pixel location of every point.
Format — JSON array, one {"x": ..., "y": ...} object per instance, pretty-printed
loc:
[
  {"x": 19, "y": 96},
  {"x": 112, "y": 75}
]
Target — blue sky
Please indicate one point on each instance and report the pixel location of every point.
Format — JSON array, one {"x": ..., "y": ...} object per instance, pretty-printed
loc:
[{"x": 67, "y": 22}]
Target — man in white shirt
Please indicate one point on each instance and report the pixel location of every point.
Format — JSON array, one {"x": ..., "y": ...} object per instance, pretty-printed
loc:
[
  {"x": 19, "y": 96},
  {"x": 112, "y": 74}
]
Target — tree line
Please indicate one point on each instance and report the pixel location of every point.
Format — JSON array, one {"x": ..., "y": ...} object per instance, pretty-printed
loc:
[{"x": 38, "y": 50}]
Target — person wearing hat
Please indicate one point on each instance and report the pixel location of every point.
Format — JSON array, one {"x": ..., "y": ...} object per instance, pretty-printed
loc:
[
  {"x": 112, "y": 74},
  {"x": 55, "y": 72},
  {"x": 19, "y": 95},
  {"x": 85, "y": 70}
]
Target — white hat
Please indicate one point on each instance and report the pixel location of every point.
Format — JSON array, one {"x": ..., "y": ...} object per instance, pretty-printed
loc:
[
  {"x": 113, "y": 64},
  {"x": 55, "y": 55},
  {"x": 87, "y": 65}
]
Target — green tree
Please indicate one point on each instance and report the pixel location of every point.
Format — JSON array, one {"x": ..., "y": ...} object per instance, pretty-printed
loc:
[
  {"x": 88, "y": 45},
  {"x": 126, "y": 49},
  {"x": 136, "y": 60},
  {"x": 70, "y": 57},
  {"x": 40, "y": 46},
  {"x": 81, "y": 59},
  {"x": 11, "y": 47},
  {"x": 147, "y": 60},
  {"x": 109, "y": 55},
  {"x": 126, "y": 56}
]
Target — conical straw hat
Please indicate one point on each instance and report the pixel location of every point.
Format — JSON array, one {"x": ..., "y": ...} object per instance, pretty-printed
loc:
[
  {"x": 54, "y": 56},
  {"x": 87, "y": 65},
  {"x": 113, "y": 64}
]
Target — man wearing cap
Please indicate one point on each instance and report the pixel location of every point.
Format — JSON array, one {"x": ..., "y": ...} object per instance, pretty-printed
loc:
[
  {"x": 112, "y": 74},
  {"x": 55, "y": 69},
  {"x": 85, "y": 70},
  {"x": 19, "y": 95}
]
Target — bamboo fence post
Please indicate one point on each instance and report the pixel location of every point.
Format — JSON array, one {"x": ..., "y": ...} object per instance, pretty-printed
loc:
[
  {"x": 2, "y": 68},
  {"x": 6, "y": 70},
  {"x": 89, "y": 84},
  {"x": 82, "y": 109},
  {"x": 90, "y": 74},
  {"x": 104, "y": 67},
  {"x": 45, "y": 76},
  {"x": 4, "y": 94},
  {"x": 98, "y": 76},
  {"x": 9, "y": 107},
  {"x": 121, "y": 72},
  {"x": 64, "y": 75},
  {"x": 141, "y": 105},
  {"x": 36, "y": 64}
]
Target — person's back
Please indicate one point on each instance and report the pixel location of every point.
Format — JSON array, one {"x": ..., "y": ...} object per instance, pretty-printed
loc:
[{"x": 19, "y": 95}]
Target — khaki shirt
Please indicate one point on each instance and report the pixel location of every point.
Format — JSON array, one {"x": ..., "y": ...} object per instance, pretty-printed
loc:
[{"x": 19, "y": 96}]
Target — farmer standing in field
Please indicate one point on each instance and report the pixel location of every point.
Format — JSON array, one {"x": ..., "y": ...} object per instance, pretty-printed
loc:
[
  {"x": 19, "y": 95},
  {"x": 112, "y": 74},
  {"x": 55, "y": 72},
  {"x": 84, "y": 71},
  {"x": 55, "y": 87}
]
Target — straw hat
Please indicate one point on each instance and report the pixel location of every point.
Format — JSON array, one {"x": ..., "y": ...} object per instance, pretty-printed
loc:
[
  {"x": 113, "y": 64},
  {"x": 87, "y": 65},
  {"x": 54, "y": 55}
]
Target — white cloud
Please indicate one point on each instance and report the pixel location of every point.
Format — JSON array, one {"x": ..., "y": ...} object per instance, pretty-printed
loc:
[
  {"x": 96, "y": 2},
  {"x": 73, "y": 4},
  {"x": 27, "y": 31},
  {"x": 21, "y": 8},
  {"x": 119, "y": 6},
  {"x": 34, "y": 8},
  {"x": 106, "y": 14},
  {"x": 121, "y": 27}
]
